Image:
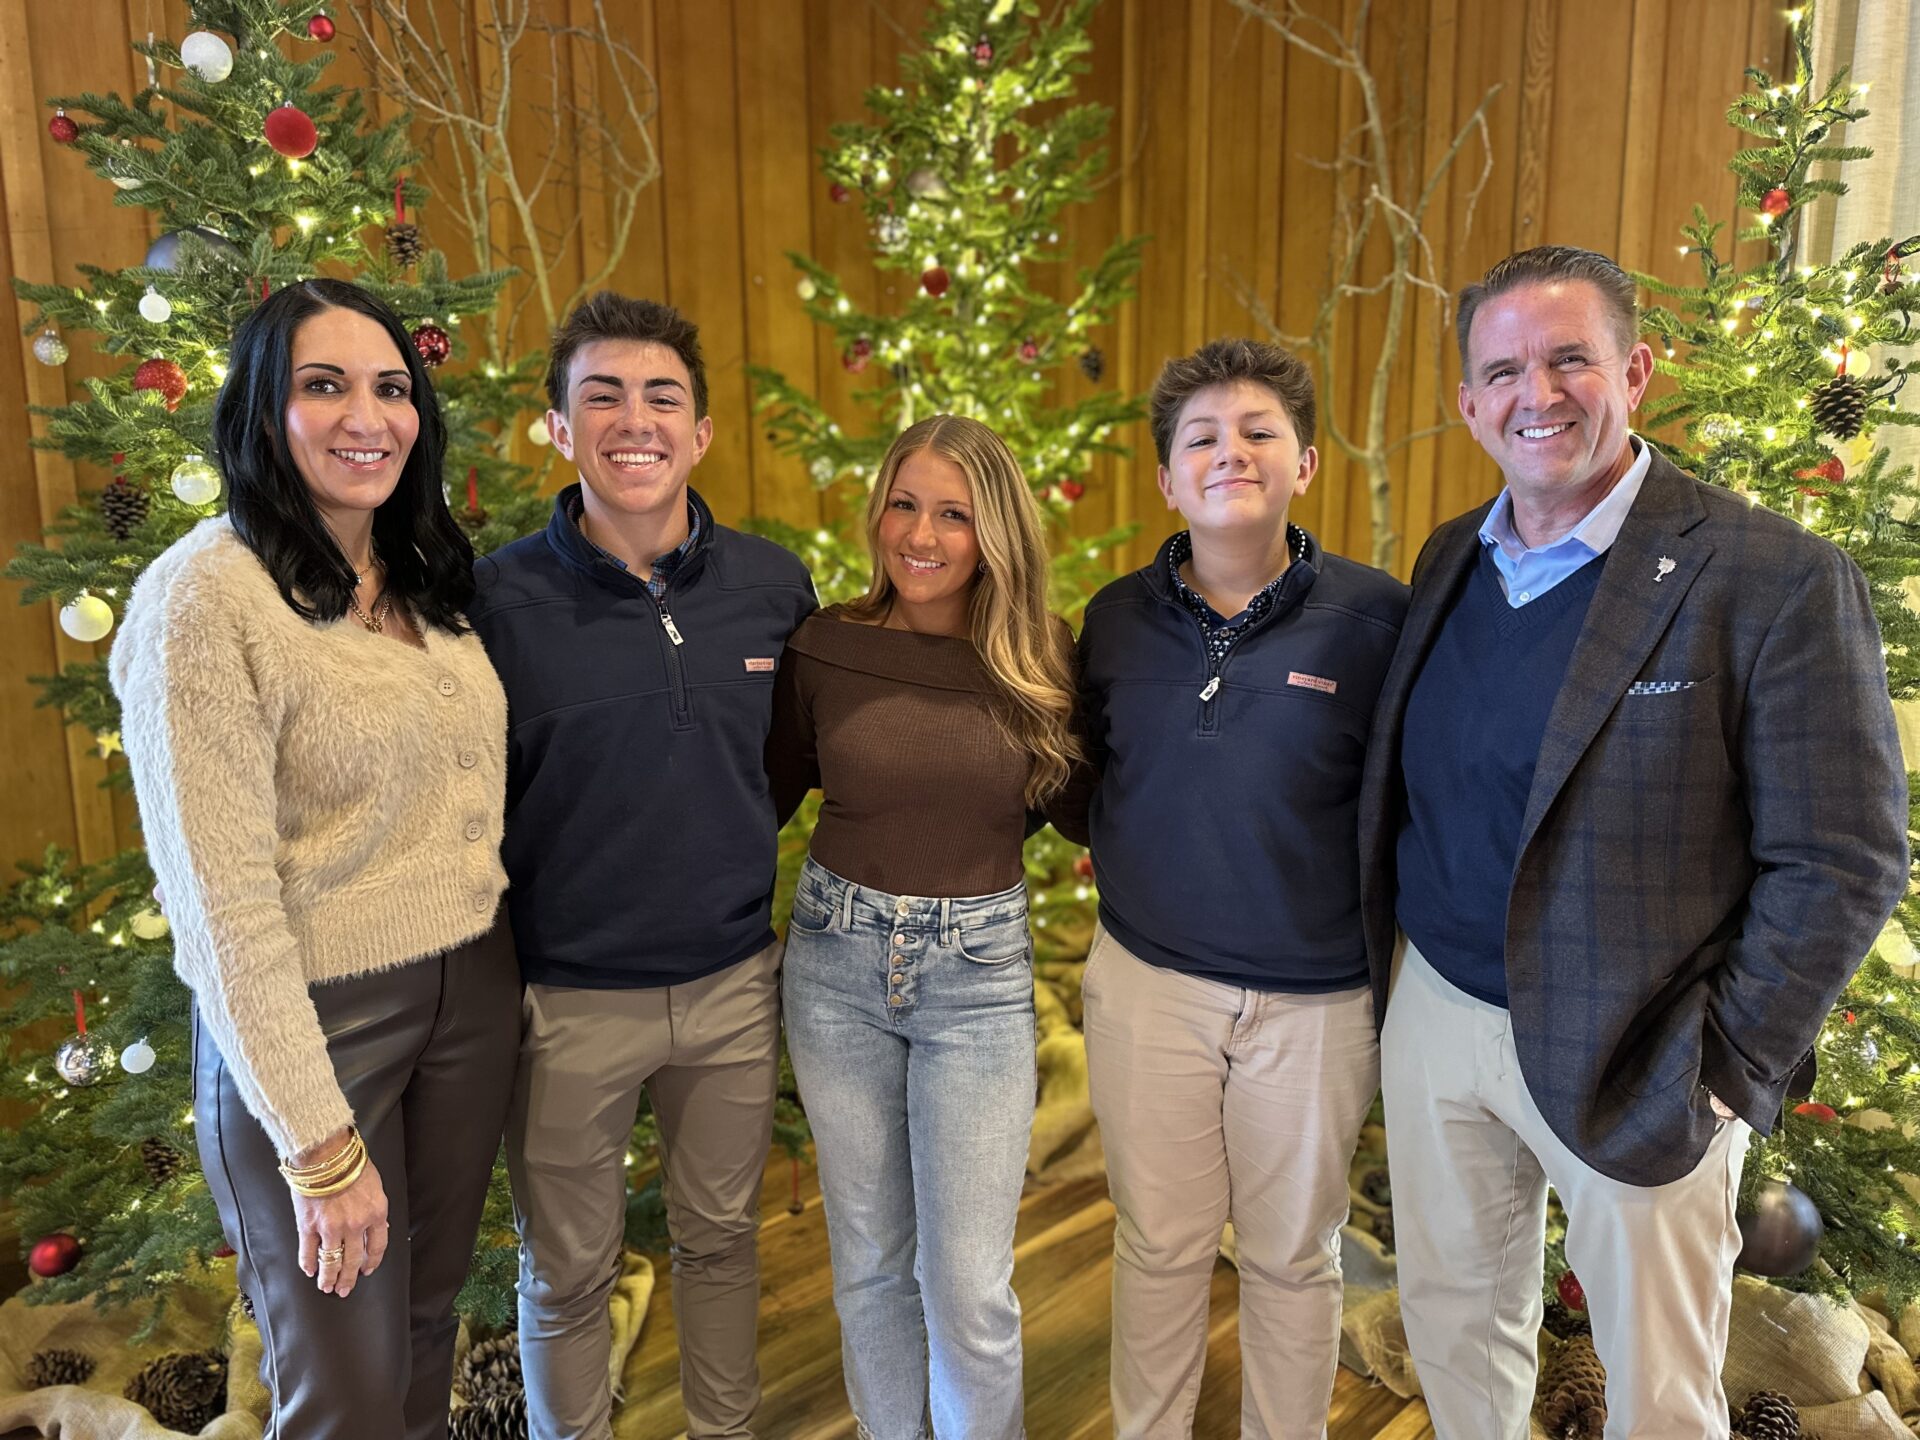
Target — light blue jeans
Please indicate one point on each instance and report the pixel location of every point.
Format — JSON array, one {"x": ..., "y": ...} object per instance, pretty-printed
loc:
[{"x": 910, "y": 1023}]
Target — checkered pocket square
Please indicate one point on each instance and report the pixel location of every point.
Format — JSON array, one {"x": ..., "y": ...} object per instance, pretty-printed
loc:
[{"x": 1659, "y": 687}]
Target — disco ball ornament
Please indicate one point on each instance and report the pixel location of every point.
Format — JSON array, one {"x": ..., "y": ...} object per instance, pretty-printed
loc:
[
  {"x": 49, "y": 348},
  {"x": 890, "y": 233},
  {"x": 156, "y": 307},
  {"x": 137, "y": 1058},
  {"x": 207, "y": 56},
  {"x": 164, "y": 253},
  {"x": 195, "y": 482},
  {"x": 433, "y": 344},
  {"x": 87, "y": 618},
  {"x": 84, "y": 1060}
]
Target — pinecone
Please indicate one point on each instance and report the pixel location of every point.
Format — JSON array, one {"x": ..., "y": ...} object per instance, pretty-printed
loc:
[
  {"x": 1565, "y": 1324},
  {"x": 1376, "y": 1186},
  {"x": 1840, "y": 405},
  {"x": 58, "y": 1367},
  {"x": 501, "y": 1415},
  {"x": 1769, "y": 1415},
  {"x": 1092, "y": 363},
  {"x": 1573, "y": 1393},
  {"x": 1382, "y": 1227},
  {"x": 123, "y": 508},
  {"x": 185, "y": 1391},
  {"x": 491, "y": 1367},
  {"x": 404, "y": 243},
  {"x": 161, "y": 1160}
]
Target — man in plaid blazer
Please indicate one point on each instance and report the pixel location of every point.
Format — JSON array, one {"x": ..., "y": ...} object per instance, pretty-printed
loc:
[{"x": 1634, "y": 811}]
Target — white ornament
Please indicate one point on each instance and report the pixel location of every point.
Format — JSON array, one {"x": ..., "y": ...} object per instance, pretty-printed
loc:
[
  {"x": 196, "y": 482},
  {"x": 149, "y": 925},
  {"x": 49, "y": 348},
  {"x": 156, "y": 307},
  {"x": 538, "y": 433},
  {"x": 207, "y": 56},
  {"x": 87, "y": 618},
  {"x": 137, "y": 1058},
  {"x": 806, "y": 289}
]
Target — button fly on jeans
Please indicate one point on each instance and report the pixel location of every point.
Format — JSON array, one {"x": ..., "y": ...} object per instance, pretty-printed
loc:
[
  {"x": 900, "y": 906},
  {"x": 896, "y": 1000}
]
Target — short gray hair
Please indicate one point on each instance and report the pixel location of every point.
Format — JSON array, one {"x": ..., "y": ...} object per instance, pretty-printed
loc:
[{"x": 1543, "y": 265}]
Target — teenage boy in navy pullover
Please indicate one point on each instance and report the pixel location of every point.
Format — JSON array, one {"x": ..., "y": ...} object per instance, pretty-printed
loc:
[
  {"x": 638, "y": 640},
  {"x": 1229, "y": 688}
]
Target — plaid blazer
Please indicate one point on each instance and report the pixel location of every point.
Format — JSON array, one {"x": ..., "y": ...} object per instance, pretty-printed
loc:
[{"x": 1716, "y": 832}]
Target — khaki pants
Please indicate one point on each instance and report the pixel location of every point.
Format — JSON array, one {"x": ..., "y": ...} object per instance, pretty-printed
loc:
[
  {"x": 1472, "y": 1159},
  {"x": 708, "y": 1054},
  {"x": 1216, "y": 1103}
]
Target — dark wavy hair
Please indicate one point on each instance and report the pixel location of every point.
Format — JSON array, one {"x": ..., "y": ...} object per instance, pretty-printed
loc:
[{"x": 427, "y": 557}]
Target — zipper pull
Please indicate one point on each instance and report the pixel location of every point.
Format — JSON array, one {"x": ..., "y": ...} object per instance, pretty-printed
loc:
[
  {"x": 1213, "y": 688},
  {"x": 673, "y": 631}
]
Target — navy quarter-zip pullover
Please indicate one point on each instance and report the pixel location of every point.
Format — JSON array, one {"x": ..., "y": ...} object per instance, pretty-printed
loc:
[
  {"x": 640, "y": 839},
  {"x": 1224, "y": 823}
]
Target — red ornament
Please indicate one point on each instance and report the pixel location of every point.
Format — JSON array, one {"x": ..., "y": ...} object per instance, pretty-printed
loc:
[
  {"x": 320, "y": 28},
  {"x": 53, "y": 1255},
  {"x": 1852, "y": 1019},
  {"x": 1776, "y": 202},
  {"x": 1572, "y": 1294},
  {"x": 434, "y": 345},
  {"x": 291, "y": 131},
  {"x": 935, "y": 281},
  {"x": 858, "y": 353},
  {"x": 164, "y": 376},
  {"x": 983, "y": 52},
  {"x": 838, "y": 193},
  {"x": 1083, "y": 867},
  {"x": 223, "y": 1251},
  {"x": 62, "y": 128},
  {"x": 1072, "y": 489},
  {"x": 1814, "y": 1110},
  {"x": 1029, "y": 350},
  {"x": 1830, "y": 470}
]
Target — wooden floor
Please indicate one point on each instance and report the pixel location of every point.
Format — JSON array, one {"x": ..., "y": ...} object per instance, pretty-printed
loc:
[{"x": 1063, "y": 1270}]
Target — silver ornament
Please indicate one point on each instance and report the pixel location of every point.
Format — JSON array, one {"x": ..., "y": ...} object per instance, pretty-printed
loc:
[
  {"x": 890, "y": 233},
  {"x": 164, "y": 253},
  {"x": 926, "y": 183},
  {"x": 822, "y": 470},
  {"x": 84, "y": 1060},
  {"x": 49, "y": 348}
]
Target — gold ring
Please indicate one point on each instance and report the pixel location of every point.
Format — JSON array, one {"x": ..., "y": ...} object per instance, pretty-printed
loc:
[{"x": 334, "y": 1256}]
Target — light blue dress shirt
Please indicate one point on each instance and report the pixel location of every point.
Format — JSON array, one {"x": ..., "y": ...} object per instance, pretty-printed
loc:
[{"x": 1528, "y": 573}]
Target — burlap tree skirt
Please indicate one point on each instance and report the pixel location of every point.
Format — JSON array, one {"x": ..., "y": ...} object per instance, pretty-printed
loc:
[{"x": 197, "y": 1318}]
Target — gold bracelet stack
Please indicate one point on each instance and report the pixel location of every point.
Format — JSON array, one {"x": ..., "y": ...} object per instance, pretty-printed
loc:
[{"x": 332, "y": 1175}]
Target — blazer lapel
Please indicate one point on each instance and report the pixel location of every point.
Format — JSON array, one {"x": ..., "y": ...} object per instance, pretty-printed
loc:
[
  {"x": 1453, "y": 560},
  {"x": 1634, "y": 603}
]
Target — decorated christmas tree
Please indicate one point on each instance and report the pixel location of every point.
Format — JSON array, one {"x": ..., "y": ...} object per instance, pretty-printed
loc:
[
  {"x": 260, "y": 175},
  {"x": 1782, "y": 372}
]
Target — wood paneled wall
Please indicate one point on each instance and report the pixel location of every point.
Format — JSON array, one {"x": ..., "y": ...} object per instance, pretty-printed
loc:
[{"x": 1606, "y": 131}]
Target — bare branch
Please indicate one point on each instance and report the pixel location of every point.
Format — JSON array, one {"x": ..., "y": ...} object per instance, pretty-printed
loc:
[
  {"x": 457, "y": 70},
  {"x": 1368, "y": 203}
]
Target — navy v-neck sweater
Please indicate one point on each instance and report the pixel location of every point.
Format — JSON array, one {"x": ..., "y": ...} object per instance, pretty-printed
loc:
[{"x": 1474, "y": 725}]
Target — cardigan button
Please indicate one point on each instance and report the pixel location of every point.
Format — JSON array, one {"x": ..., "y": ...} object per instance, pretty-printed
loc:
[
  {"x": 447, "y": 685},
  {"x": 475, "y": 830},
  {"x": 468, "y": 759},
  {"x": 482, "y": 901}
]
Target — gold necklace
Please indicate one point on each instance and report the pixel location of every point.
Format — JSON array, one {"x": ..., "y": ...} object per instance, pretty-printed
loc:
[{"x": 377, "y": 621}]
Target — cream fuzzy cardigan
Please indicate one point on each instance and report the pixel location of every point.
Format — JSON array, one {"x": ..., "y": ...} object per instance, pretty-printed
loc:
[{"x": 318, "y": 802}]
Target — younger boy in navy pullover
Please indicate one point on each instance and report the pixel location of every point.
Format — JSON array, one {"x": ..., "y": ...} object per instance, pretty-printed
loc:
[{"x": 1229, "y": 690}]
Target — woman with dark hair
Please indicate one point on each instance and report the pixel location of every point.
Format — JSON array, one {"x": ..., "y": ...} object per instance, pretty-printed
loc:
[{"x": 318, "y": 748}]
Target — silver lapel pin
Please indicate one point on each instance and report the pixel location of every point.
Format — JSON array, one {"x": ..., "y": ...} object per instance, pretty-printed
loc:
[{"x": 1662, "y": 570}]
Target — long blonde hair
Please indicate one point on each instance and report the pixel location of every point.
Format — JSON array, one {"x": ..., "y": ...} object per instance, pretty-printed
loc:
[{"x": 1023, "y": 646}]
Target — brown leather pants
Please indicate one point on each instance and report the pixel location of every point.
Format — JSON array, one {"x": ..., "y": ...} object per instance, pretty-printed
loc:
[{"x": 426, "y": 1054}]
